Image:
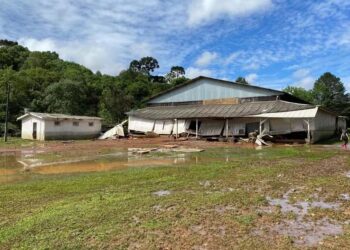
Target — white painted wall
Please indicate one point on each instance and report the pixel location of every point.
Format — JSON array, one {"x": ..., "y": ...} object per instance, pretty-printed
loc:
[
  {"x": 47, "y": 130},
  {"x": 66, "y": 129},
  {"x": 322, "y": 126},
  {"x": 27, "y": 128},
  {"x": 211, "y": 127},
  {"x": 140, "y": 124},
  {"x": 163, "y": 127}
]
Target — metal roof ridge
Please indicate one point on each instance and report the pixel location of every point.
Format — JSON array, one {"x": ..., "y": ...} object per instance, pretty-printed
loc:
[{"x": 210, "y": 78}]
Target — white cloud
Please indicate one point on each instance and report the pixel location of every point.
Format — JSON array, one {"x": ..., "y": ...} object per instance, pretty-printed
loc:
[
  {"x": 193, "y": 72},
  {"x": 301, "y": 73},
  {"x": 251, "y": 78},
  {"x": 232, "y": 57},
  {"x": 36, "y": 45},
  {"x": 306, "y": 82},
  {"x": 344, "y": 39},
  {"x": 303, "y": 78},
  {"x": 346, "y": 81},
  {"x": 203, "y": 11},
  {"x": 95, "y": 53},
  {"x": 106, "y": 35},
  {"x": 101, "y": 35},
  {"x": 251, "y": 66},
  {"x": 206, "y": 58}
]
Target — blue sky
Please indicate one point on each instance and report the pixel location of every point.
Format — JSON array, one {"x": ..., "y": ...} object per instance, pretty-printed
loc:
[{"x": 273, "y": 43}]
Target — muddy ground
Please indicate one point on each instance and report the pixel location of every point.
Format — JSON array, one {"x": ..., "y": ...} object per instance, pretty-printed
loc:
[
  {"x": 55, "y": 146},
  {"x": 106, "y": 195}
]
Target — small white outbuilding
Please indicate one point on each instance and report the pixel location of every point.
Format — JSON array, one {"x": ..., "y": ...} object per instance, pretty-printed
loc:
[{"x": 44, "y": 126}]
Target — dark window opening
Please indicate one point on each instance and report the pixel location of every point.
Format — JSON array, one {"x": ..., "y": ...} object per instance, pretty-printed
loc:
[
  {"x": 76, "y": 124},
  {"x": 193, "y": 125},
  {"x": 91, "y": 124},
  {"x": 57, "y": 123}
]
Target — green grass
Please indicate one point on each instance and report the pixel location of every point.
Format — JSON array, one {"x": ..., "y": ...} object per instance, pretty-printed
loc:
[
  {"x": 118, "y": 210},
  {"x": 15, "y": 142}
]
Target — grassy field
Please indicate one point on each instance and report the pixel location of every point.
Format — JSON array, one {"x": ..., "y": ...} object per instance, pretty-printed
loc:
[
  {"x": 223, "y": 202},
  {"x": 14, "y": 142}
]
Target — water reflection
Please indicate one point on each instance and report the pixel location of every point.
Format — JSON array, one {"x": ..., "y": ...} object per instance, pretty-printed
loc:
[{"x": 27, "y": 163}]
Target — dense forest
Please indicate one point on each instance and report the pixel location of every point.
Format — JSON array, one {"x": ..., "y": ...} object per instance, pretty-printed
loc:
[{"x": 42, "y": 82}]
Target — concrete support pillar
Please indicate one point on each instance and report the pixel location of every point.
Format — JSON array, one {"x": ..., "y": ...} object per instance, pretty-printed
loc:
[
  {"x": 308, "y": 131},
  {"x": 260, "y": 126}
]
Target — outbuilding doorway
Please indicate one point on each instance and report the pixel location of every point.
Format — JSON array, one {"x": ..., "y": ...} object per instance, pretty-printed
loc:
[{"x": 35, "y": 130}]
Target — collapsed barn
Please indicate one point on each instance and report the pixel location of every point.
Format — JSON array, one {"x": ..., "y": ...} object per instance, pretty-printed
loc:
[{"x": 207, "y": 107}]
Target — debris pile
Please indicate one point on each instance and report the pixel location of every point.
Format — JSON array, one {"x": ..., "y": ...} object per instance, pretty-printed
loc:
[
  {"x": 164, "y": 149},
  {"x": 115, "y": 132}
]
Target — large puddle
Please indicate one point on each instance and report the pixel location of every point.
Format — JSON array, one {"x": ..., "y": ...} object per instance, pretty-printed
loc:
[{"x": 27, "y": 163}]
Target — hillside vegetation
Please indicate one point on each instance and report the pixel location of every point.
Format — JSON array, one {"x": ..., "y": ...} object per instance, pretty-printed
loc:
[{"x": 42, "y": 82}]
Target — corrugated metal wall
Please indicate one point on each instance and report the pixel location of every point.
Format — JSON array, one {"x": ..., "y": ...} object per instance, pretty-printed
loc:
[{"x": 206, "y": 89}]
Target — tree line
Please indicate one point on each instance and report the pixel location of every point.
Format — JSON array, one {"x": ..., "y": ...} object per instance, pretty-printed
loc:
[
  {"x": 328, "y": 91},
  {"x": 42, "y": 82}
]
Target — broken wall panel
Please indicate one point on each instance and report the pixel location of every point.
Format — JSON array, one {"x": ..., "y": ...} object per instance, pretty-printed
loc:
[
  {"x": 163, "y": 127},
  {"x": 181, "y": 126},
  {"x": 211, "y": 127},
  {"x": 236, "y": 128},
  {"x": 140, "y": 124}
]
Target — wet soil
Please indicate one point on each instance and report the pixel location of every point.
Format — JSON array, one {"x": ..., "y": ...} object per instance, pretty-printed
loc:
[{"x": 303, "y": 231}]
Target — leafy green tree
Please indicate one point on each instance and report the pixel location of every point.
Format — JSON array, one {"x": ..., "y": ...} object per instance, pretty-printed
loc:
[
  {"x": 67, "y": 97},
  {"x": 114, "y": 103},
  {"x": 13, "y": 56},
  {"x": 242, "y": 80},
  {"x": 45, "y": 60},
  {"x": 301, "y": 93},
  {"x": 178, "y": 81},
  {"x": 175, "y": 72},
  {"x": 329, "y": 92},
  {"x": 9, "y": 76},
  {"x": 145, "y": 65},
  {"x": 43, "y": 82},
  {"x": 4, "y": 42},
  {"x": 135, "y": 66}
]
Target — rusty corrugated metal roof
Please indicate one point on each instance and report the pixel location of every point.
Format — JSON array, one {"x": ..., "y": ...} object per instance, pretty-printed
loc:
[{"x": 218, "y": 110}]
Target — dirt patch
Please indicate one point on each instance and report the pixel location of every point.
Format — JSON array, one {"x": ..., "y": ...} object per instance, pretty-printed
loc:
[
  {"x": 303, "y": 231},
  {"x": 60, "y": 146},
  {"x": 224, "y": 209},
  {"x": 77, "y": 168},
  {"x": 300, "y": 208},
  {"x": 345, "y": 197},
  {"x": 328, "y": 166},
  {"x": 4, "y": 171},
  {"x": 308, "y": 233},
  {"x": 205, "y": 183},
  {"x": 347, "y": 174},
  {"x": 162, "y": 193}
]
